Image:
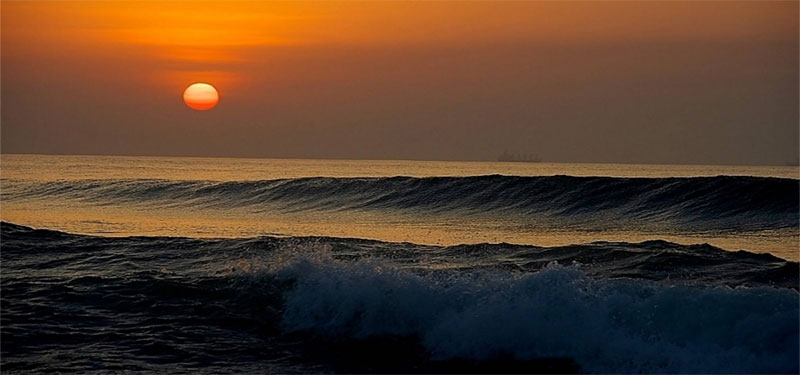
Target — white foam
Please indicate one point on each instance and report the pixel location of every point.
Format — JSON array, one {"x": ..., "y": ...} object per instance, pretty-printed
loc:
[{"x": 605, "y": 325}]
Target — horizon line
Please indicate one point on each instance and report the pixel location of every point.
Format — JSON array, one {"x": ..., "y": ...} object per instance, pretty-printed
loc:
[{"x": 795, "y": 163}]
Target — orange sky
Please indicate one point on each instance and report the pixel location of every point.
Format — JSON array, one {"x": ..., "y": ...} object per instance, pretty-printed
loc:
[{"x": 576, "y": 81}]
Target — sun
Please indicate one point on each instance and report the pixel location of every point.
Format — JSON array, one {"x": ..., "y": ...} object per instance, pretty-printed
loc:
[{"x": 200, "y": 96}]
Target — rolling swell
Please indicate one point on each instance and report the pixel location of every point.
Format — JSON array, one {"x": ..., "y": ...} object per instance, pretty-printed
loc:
[
  {"x": 700, "y": 203},
  {"x": 271, "y": 304}
]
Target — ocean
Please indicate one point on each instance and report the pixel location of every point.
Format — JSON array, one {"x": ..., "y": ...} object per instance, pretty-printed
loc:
[{"x": 113, "y": 264}]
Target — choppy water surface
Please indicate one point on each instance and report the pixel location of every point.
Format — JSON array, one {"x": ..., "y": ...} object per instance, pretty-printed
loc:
[{"x": 286, "y": 266}]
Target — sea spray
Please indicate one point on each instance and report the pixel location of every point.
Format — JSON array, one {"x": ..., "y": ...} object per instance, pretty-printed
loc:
[{"x": 612, "y": 325}]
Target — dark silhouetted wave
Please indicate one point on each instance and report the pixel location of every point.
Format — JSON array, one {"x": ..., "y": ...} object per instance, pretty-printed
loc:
[
  {"x": 701, "y": 203},
  {"x": 318, "y": 304}
]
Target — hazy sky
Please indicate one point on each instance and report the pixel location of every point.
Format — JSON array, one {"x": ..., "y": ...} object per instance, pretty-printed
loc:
[{"x": 653, "y": 82}]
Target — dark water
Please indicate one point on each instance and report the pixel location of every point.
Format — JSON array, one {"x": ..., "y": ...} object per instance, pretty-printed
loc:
[
  {"x": 604, "y": 292},
  {"x": 77, "y": 303},
  {"x": 699, "y": 203}
]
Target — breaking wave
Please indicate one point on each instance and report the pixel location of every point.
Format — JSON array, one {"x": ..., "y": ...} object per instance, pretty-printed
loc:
[{"x": 278, "y": 304}]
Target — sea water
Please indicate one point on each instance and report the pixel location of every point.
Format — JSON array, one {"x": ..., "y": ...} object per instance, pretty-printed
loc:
[{"x": 263, "y": 265}]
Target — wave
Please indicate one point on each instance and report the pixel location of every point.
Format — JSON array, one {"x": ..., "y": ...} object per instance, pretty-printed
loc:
[
  {"x": 605, "y": 326},
  {"x": 653, "y": 260},
  {"x": 699, "y": 203},
  {"x": 236, "y": 304},
  {"x": 242, "y": 304}
]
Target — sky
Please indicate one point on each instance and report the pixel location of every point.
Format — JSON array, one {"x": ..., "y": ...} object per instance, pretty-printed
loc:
[{"x": 702, "y": 82}]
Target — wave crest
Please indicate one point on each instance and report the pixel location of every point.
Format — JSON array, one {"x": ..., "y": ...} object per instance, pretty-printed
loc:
[
  {"x": 629, "y": 326},
  {"x": 700, "y": 203}
]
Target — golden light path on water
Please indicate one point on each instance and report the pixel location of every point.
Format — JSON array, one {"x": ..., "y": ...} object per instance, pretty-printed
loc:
[{"x": 166, "y": 220}]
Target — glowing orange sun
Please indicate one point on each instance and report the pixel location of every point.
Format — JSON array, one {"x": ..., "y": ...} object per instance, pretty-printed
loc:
[{"x": 200, "y": 96}]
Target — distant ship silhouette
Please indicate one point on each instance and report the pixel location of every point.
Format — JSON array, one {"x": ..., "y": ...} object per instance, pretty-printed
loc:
[{"x": 521, "y": 158}]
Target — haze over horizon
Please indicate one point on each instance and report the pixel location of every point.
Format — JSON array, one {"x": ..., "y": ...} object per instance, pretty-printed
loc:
[{"x": 620, "y": 82}]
